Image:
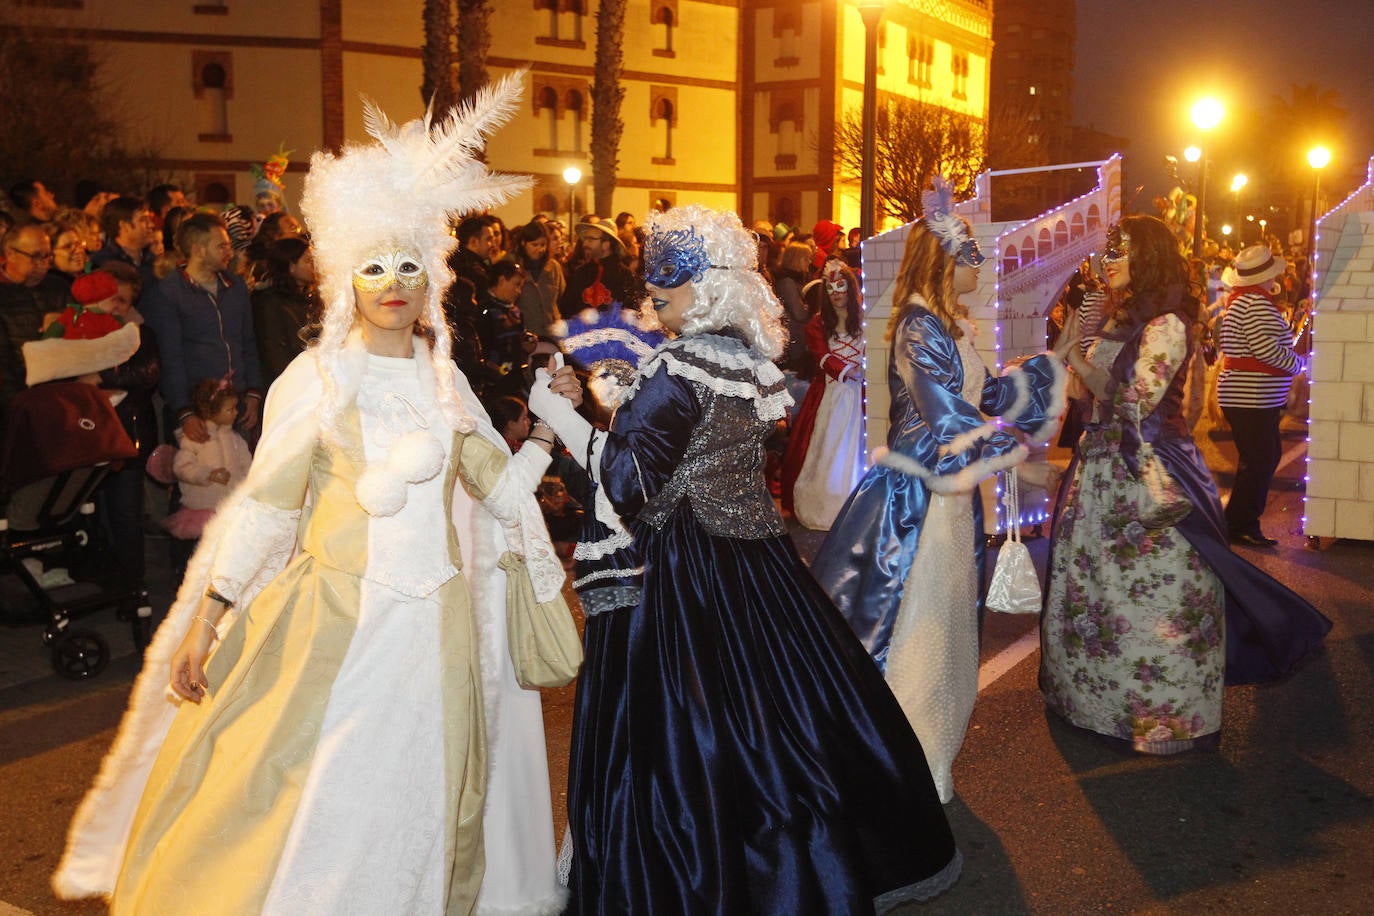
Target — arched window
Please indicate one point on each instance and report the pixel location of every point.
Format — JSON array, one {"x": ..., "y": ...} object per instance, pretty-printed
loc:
[
  {"x": 666, "y": 17},
  {"x": 1027, "y": 250},
  {"x": 213, "y": 83},
  {"x": 665, "y": 113},
  {"x": 1061, "y": 233},
  {"x": 574, "y": 104},
  {"x": 786, "y": 29},
  {"x": 787, "y": 130},
  {"x": 548, "y": 105},
  {"x": 1046, "y": 245},
  {"x": 1011, "y": 260},
  {"x": 1076, "y": 226},
  {"x": 1094, "y": 217}
]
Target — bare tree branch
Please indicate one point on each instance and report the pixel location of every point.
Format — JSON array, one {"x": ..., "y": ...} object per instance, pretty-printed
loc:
[{"x": 913, "y": 142}]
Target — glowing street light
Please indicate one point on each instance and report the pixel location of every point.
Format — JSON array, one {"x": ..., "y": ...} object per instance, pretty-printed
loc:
[
  {"x": 1238, "y": 182},
  {"x": 1207, "y": 113},
  {"x": 1319, "y": 157},
  {"x": 572, "y": 175},
  {"x": 1226, "y": 230},
  {"x": 1192, "y": 154}
]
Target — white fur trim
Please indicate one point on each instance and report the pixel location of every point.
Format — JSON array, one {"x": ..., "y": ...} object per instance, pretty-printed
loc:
[
  {"x": 967, "y": 440},
  {"x": 56, "y": 357},
  {"x": 1058, "y": 402},
  {"x": 962, "y": 481}
]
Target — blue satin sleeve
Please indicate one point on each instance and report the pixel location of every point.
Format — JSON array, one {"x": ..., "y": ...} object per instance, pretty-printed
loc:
[
  {"x": 1040, "y": 379},
  {"x": 927, "y": 362},
  {"x": 647, "y": 439}
]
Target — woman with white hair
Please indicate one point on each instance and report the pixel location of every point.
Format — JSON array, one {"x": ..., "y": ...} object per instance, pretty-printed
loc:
[
  {"x": 338, "y": 740},
  {"x": 734, "y": 748}
]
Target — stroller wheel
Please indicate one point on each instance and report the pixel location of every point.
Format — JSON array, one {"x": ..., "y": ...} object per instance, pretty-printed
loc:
[{"x": 80, "y": 654}]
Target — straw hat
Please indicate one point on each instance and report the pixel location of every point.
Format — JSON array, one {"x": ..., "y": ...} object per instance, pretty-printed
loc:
[
  {"x": 1254, "y": 266},
  {"x": 605, "y": 226}
]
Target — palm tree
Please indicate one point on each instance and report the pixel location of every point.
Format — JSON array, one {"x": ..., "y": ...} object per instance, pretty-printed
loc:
[
  {"x": 1309, "y": 115},
  {"x": 474, "y": 40},
  {"x": 439, "y": 56},
  {"x": 607, "y": 96}
]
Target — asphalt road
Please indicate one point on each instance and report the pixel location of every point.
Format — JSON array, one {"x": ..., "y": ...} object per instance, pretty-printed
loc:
[{"x": 1280, "y": 820}]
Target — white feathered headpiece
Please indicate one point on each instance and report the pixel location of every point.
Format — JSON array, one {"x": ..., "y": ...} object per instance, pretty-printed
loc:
[{"x": 402, "y": 192}]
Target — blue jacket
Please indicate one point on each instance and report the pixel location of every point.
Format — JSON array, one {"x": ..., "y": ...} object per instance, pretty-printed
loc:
[{"x": 202, "y": 335}]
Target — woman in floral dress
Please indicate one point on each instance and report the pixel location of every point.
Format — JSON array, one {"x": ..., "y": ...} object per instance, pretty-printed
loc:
[{"x": 1144, "y": 625}]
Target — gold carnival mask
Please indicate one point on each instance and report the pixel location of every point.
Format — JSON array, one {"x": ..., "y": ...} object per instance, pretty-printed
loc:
[{"x": 403, "y": 268}]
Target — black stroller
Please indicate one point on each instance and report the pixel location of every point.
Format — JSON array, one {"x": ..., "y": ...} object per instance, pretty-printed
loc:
[{"x": 60, "y": 441}]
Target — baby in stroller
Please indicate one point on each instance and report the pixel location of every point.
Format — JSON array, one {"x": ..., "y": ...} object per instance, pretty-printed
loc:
[{"x": 60, "y": 440}]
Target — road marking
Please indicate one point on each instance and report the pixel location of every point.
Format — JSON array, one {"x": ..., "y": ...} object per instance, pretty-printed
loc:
[{"x": 1008, "y": 658}]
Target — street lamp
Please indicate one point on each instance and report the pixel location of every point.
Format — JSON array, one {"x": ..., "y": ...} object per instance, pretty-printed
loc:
[
  {"x": 1206, "y": 114},
  {"x": 872, "y": 12},
  {"x": 1237, "y": 183},
  {"x": 1318, "y": 157},
  {"x": 572, "y": 175}
]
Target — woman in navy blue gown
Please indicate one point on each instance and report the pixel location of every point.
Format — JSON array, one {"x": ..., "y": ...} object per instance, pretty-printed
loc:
[{"x": 735, "y": 750}]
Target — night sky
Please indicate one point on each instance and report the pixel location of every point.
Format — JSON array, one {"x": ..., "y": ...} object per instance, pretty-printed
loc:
[{"x": 1141, "y": 64}]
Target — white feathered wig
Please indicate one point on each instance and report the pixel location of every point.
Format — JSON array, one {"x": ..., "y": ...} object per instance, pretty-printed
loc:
[
  {"x": 401, "y": 193},
  {"x": 729, "y": 292}
]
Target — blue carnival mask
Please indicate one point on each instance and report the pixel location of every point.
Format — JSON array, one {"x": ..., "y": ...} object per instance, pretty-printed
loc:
[
  {"x": 968, "y": 254},
  {"x": 674, "y": 258}
]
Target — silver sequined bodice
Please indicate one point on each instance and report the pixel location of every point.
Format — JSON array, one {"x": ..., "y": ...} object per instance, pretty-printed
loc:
[{"x": 721, "y": 473}]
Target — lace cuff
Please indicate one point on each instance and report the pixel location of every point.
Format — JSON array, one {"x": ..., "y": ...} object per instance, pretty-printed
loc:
[{"x": 259, "y": 538}]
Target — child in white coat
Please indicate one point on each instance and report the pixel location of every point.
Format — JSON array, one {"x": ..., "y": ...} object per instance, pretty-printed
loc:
[{"x": 208, "y": 470}]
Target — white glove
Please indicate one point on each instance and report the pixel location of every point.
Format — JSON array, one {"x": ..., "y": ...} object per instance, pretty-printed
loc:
[{"x": 558, "y": 412}]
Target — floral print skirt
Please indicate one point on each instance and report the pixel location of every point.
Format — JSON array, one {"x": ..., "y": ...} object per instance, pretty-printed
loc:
[{"x": 1132, "y": 640}]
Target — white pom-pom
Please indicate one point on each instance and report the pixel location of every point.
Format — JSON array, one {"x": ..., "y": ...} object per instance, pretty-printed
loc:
[
  {"x": 380, "y": 491},
  {"x": 417, "y": 456}
]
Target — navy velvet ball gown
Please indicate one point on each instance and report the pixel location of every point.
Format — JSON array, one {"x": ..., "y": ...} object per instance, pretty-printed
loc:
[{"x": 735, "y": 750}]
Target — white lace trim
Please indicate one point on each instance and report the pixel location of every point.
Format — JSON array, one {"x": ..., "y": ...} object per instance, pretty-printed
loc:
[
  {"x": 766, "y": 407},
  {"x": 595, "y": 550},
  {"x": 261, "y": 539},
  {"x": 606, "y": 515},
  {"x": 607, "y": 574},
  {"x": 598, "y": 336},
  {"x": 550, "y": 905},
  {"x": 961, "y": 481}
]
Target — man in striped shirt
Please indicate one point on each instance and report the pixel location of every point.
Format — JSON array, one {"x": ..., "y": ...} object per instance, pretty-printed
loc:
[{"x": 1257, "y": 369}]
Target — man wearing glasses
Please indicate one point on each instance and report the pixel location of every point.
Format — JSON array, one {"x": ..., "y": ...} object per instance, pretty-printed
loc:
[{"x": 27, "y": 293}]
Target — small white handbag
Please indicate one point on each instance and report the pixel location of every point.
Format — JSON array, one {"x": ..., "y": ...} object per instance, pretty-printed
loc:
[{"x": 1015, "y": 587}]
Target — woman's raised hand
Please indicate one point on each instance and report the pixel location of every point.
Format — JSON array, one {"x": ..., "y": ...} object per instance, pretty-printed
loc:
[{"x": 564, "y": 381}]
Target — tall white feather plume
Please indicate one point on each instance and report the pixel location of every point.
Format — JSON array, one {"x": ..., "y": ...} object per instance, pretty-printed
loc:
[{"x": 403, "y": 191}]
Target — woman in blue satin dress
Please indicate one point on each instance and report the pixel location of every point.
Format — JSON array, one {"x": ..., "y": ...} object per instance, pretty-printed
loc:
[
  {"x": 734, "y": 748},
  {"x": 904, "y": 559}
]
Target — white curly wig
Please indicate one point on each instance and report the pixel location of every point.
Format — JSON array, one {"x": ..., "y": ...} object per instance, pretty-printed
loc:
[
  {"x": 731, "y": 293},
  {"x": 401, "y": 193}
]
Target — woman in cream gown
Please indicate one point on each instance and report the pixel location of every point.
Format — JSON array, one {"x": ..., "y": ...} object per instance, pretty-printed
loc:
[{"x": 348, "y": 693}]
